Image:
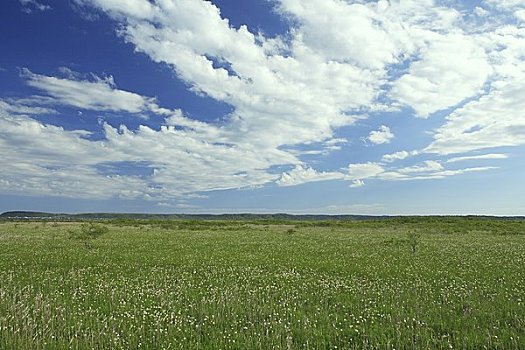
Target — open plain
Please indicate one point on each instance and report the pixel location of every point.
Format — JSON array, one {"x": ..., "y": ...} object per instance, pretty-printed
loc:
[{"x": 400, "y": 283}]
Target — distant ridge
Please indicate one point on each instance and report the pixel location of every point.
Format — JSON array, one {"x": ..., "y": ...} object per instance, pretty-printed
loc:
[
  {"x": 245, "y": 216},
  {"x": 32, "y": 215}
]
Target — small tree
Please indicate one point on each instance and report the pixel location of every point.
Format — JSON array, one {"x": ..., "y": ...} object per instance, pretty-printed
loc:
[
  {"x": 89, "y": 232},
  {"x": 414, "y": 238}
]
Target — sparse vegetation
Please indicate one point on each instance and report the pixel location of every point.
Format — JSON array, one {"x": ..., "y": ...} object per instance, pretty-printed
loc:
[{"x": 246, "y": 285}]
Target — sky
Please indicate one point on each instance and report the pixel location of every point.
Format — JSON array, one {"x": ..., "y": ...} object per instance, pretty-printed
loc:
[{"x": 300, "y": 106}]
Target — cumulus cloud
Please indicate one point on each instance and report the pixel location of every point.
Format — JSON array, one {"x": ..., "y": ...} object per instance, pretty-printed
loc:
[
  {"x": 495, "y": 120},
  {"x": 301, "y": 174},
  {"x": 48, "y": 157},
  {"x": 451, "y": 69},
  {"x": 364, "y": 170},
  {"x": 264, "y": 78},
  {"x": 48, "y": 160},
  {"x": 343, "y": 32},
  {"x": 397, "y": 156},
  {"x": 381, "y": 136},
  {"x": 339, "y": 62}
]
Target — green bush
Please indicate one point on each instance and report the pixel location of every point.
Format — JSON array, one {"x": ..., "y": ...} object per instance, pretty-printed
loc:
[{"x": 88, "y": 233}]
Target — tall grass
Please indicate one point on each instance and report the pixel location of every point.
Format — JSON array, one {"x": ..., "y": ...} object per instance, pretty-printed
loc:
[{"x": 234, "y": 285}]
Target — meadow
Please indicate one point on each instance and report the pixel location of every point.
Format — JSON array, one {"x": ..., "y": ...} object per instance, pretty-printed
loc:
[{"x": 409, "y": 283}]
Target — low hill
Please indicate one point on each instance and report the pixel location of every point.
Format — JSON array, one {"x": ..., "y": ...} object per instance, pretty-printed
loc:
[{"x": 30, "y": 215}]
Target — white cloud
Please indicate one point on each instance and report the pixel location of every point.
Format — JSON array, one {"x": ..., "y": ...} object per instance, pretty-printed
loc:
[
  {"x": 339, "y": 62},
  {"x": 364, "y": 171},
  {"x": 428, "y": 175},
  {"x": 17, "y": 107},
  {"x": 427, "y": 166},
  {"x": 495, "y": 120},
  {"x": 451, "y": 69},
  {"x": 357, "y": 183},
  {"x": 343, "y": 32},
  {"x": 505, "y": 4},
  {"x": 381, "y": 136},
  {"x": 336, "y": 141},
  {"x": 301, "y": 174},
  {"x": 50, "y": 160},
  {"x": 47, "y": 160},
  {"x": 520, "y": 15},
  {"x": 264, "y": 79},
  {"x": 30, "y": 6},
  {"x": 480, "y": 11},
  {"x": 198, "y": 164},
  {"x": 478, "y": 157},
  {"x": 98, "y": 95},
  {"x": 397, "y": 156},
  {"x": 427, "y": 170}
]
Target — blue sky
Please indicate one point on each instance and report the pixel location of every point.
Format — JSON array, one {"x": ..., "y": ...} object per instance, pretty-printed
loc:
[{"x": 298, "y": 106}]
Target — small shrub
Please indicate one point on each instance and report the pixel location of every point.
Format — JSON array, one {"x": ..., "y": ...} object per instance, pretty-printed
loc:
[
  {"x": 414, "y": 238},
  {"x": 93, "y": 231},
  {"x": 88, "y": 233}
]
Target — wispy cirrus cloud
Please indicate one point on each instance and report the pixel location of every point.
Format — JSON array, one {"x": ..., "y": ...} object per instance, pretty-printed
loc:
[
  {"x": 32, "y": 6},
  {"x": 98, "y": 94},
  {"x": 478, "y": 157}
]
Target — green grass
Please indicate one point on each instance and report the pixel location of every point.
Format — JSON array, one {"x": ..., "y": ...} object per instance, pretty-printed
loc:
[{"x": 242, "y": 285}]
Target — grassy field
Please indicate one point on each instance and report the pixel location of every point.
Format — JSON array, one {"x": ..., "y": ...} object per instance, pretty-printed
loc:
[{"x": 448, "y": 283}]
